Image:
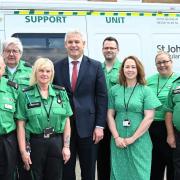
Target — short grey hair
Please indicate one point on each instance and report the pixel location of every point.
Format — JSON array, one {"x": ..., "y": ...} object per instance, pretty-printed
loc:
[
  {"x": 15, "y": 41},
  {"x": 75, "y": 32}
]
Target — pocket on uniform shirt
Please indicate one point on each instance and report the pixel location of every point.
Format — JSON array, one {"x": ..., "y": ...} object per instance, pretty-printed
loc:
[
  {"x": 59, "y": 111},
  {"x": 34, "y": 112}
]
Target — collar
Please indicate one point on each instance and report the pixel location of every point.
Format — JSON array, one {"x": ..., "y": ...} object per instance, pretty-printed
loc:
[
  {"x": 115, "y": 65},
  {"x": 50, "y": 90},
  {"x": 18, "y": 67},
  {"x": 70, "y": 59}
]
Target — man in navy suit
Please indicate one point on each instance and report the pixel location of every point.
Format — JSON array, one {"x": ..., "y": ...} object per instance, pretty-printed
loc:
[{"x": 89, "y": 103}]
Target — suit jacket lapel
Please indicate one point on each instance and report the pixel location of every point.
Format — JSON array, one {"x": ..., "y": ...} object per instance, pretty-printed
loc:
[
  {"x": 82, "y": 70},
  {"x": 66, "y": 75}
]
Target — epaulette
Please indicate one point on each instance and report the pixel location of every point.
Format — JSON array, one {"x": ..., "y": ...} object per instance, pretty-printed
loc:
[
  {"x": 58, "y": 87},
  {"x": 27, "y": 64},
  {"x": 5, "y": 75},
  {"x": 28, "y": 88},
  {"x": 178, "y": 78},
  {"x": 13, "y": 84}
]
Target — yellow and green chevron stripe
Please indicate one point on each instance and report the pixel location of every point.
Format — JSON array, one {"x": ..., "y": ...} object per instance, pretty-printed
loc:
[{"x": 94, "y": 13}]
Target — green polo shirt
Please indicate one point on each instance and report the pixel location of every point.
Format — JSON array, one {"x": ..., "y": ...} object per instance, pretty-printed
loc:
[
  {"x": 112, "y": 76},
  {"x": 21, "y": 76},
  {"x": 161, "y": 91},
  {"x": 8, "y": 97},
  {"x": 173, "y": 103},
  {"x": 31, "y": 108}
]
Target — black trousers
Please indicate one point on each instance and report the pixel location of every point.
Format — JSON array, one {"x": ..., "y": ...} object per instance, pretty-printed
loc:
[
  {"x": 176, "y": 156},
  {"x": 162, "y": 154},
  {"x": 103, "y": 160},
  {"x": 87, "y": 152},
  {"x": 8, "y": 156},
  {"x": 46, "y": 156}
]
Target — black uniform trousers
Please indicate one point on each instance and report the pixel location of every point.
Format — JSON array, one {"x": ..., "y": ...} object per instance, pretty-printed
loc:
[
  {"x": 46, "y": 156},
  {"x": 103, "y": 160},
  {"x": 8, "y": 156},
  {"x": 162, "y": 154},
  {"x": 176, "y": 156},
  {"x": 87, "y": 153}
]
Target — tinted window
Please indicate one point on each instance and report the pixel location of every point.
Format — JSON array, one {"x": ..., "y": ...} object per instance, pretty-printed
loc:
[{"x": 44, "y": 45}]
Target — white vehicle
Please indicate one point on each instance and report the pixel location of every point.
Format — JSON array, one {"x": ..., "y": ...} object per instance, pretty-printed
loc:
[{"x": 141, "y": 29}]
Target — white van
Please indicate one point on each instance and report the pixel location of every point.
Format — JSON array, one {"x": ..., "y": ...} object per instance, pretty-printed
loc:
[{"x": 141, "y": 29}]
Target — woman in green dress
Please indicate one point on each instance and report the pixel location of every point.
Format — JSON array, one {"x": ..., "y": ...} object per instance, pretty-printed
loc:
[{"x": 130, "y": 113}]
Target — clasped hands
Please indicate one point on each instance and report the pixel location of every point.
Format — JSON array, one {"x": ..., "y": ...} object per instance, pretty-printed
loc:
[{"x": 124, "y": 142}]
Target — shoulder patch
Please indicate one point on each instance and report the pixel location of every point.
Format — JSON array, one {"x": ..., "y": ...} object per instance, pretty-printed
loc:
[
  {"x": 58, "y": 87},
  {"x": 28, "y": 88},
  {"x": 27, "y": 64},
  {"x": 177, "y": 79},
  {"x": 13, "y": 84}
]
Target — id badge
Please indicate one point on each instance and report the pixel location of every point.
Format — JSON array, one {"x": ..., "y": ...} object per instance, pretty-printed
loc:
[
  {"x": 126, "y": 123},
  {"x": 48, "y": 131}
]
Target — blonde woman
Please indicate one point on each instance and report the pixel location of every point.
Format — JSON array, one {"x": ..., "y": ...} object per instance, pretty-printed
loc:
[{"x": 43, "y": 110}]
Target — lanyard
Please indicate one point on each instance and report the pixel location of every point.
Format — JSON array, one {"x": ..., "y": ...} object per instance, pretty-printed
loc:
[
  {"x": 159, "y": 90},
  {"x": 47, "y": 112},
  {"x": 127, "y": 104}
]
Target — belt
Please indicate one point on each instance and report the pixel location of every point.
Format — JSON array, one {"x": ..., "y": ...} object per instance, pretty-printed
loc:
[
  {"x": 8, "y": 134},
  {"x": 42, "y": 135}
]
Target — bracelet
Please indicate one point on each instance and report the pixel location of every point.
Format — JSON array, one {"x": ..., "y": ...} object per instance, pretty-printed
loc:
[{"x": 116, "y": 137}]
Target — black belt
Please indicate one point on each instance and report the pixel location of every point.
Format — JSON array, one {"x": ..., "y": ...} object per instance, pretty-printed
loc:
[
  {"x": 8, "y": 134},
  {"x": 42, "y": 135}
]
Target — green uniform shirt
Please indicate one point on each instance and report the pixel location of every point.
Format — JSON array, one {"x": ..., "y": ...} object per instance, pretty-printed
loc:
[
  {"x": 173, "y": 103},
  {"x": 30, "y": 108},
  {"x": 21, "y": 76},
  {"x": 112, "y": 75},
  {"x": 161, "y": 91},
  {"x": 8, "y": 97}
]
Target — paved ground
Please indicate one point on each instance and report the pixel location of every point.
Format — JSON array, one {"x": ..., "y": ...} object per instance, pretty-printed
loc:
[{"x": 78, "y": 172}]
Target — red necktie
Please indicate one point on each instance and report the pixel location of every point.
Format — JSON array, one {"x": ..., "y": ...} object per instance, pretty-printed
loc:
[{"x": 74, "y": 75}]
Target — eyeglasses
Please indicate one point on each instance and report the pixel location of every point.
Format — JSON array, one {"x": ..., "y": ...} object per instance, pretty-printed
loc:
[
  {"x": 109, "y": 48},
  {"x": 14, "y": 51},
  {"x": 162, "y": 62}
]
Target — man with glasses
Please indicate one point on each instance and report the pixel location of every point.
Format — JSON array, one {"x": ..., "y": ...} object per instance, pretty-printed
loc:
[
  {"x": 161, "y": 83},
  {"x": 111, "y": 67},
  {"x": 16, "y": 69}
]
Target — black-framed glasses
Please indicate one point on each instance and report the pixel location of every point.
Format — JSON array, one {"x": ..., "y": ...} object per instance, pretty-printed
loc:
[
  {"x": 109, "y": 48},
  {"x": 162, "y": 62}
]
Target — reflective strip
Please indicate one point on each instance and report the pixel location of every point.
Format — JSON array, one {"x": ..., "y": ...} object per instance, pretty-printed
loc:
[{"x": 94, "y": 13}]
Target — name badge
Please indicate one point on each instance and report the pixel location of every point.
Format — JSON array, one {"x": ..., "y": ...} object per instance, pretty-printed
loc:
[
  {"x": 8, "y": 106},
  {"x": 33, "y": 105},
  {"x": 126, "y": 123}
]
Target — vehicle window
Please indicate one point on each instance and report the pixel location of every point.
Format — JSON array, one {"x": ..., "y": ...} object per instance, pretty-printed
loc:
[{"x": 42, "y": 45}]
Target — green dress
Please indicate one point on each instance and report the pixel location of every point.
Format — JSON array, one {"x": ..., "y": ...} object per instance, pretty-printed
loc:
[{"x": 133, "y": 162}]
